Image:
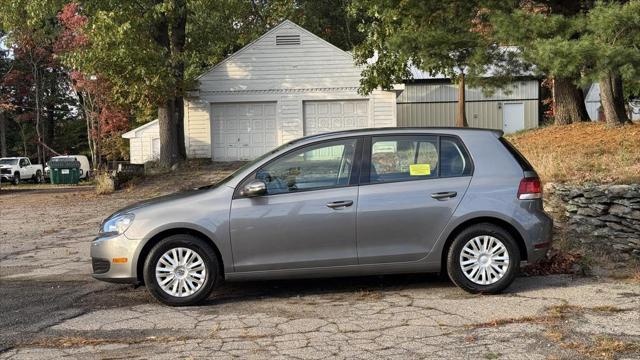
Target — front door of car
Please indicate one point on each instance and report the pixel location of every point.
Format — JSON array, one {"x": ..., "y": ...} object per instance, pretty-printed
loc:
[
  {"x": 306, "y": 218},
  {"x": 410, "y": 188}
]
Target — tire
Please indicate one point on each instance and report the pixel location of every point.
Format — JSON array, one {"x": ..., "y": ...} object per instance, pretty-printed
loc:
[
  {"x": 170, "y": 246},
  {"x": 37, "y": 178},
  {"x": 16, "y": 179},
  {"x": 497, "y": 276}
]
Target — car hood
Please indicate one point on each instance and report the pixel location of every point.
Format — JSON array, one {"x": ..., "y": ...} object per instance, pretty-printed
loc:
[
  {"x": 6, "y": 166},
  {"x": 163, "y": 200},
  {"x": 157, "y": 201}
]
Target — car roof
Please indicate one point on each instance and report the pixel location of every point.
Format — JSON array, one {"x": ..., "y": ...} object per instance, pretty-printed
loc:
[{"x": 400, "y": 130}]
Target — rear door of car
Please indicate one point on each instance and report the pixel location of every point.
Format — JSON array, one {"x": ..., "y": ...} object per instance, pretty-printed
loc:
[{"x": 410, "y": 186}]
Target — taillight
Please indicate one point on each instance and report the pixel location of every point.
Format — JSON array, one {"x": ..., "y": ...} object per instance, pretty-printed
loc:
[{"x": 530, "y": 188}]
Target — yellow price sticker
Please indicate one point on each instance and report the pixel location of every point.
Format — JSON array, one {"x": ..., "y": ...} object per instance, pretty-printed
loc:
[{"x": 419, "y": 169}]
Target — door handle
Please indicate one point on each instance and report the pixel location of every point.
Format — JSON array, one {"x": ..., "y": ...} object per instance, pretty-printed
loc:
[
  {"x": 444, "y": 195},
  {"x": 340, "y": 204}
]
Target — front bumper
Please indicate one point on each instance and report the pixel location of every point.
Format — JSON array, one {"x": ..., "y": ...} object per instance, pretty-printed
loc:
[
  {"x": 107, "y": 254},
  {"x": 6, "y": 177}
]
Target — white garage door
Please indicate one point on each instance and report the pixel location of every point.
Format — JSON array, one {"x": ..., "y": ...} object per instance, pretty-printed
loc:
[
  {"x": 243, "y": 131},
  {"x": 325, "y": 116}
]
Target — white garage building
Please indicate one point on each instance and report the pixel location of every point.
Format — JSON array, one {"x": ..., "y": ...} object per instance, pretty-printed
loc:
[{"x": 287, "y": 84}]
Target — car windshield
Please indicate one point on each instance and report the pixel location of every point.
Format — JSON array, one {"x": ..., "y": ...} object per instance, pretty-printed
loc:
[
  {"x": 8, "y": 161},
  {"x": 248, "y": 165}
]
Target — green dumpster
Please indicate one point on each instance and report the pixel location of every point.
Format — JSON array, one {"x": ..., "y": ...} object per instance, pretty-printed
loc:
[{"x": 65, "y": 171}]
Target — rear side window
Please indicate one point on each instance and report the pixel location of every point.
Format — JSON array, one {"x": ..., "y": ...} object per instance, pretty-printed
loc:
[
  {"x": 454, "y": 160},
  {"x": 419, "y": 157},
  {"x": 401, "y": 158},
  {"x": 522, "y": 161}
]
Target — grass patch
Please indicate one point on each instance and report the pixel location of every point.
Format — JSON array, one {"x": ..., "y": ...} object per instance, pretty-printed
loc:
[
  {"x": 603, "y": 347},
  {"x": 491, "y": 356},
  {"x": 77, "y": 341},
  {"x": 583, "y": 152},
  {"x": 551, "y": 316},
  {"x": 554, "y": 320}
]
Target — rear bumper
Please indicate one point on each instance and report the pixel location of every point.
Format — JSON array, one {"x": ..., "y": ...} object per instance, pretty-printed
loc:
[
  {"x": 539, "y": 237},
  {"x": 107, "y": 257}
]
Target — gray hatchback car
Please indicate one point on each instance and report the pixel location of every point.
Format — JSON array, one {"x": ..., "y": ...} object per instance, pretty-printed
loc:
[{"x": 379, "y": 201}]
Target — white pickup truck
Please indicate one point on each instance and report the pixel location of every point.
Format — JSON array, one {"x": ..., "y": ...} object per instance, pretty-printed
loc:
[{"x": 16, "y": 169}]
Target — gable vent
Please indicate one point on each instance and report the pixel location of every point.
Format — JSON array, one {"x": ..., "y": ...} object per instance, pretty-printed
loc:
[{"x": 287, "y": 39}]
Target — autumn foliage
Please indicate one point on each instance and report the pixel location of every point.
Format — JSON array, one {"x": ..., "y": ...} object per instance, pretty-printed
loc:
[
  {"x": 106, "y": 120},
  {"x": 72, "y": 36}
]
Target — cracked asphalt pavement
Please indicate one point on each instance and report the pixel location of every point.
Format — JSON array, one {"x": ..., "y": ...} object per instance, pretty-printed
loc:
[{"x": 51, "y": 308}]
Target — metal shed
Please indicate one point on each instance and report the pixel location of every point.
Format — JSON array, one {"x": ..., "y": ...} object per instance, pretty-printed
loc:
[{"x": 432, "y": 102}]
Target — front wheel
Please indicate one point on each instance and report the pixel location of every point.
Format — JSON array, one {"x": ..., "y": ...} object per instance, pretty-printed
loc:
[
  {"x": 16, "y": 179},
  {"x": 181, "y": 270},
  {"x": 483, "y": 258}
]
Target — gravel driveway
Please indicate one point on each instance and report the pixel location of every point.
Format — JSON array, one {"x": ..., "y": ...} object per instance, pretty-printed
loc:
[{"x": 51, "y": 308}]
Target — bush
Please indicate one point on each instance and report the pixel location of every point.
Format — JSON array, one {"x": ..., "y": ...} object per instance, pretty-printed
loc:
[{"x": 105, "y": 183}]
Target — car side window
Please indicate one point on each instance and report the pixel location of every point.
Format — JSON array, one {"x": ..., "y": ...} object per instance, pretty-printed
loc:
[
  {"x": 402, "y": 158},
  {"x": 454, "y": 160},
  {"x": 23, "y": 162},
  {"x": 324, "y": 165}
]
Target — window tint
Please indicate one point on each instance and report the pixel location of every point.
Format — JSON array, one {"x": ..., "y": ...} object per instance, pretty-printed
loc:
[
  {"x": 403, "y": 158},
  {"x": 314, "y": 167},
  {"x": 453, "y": 159}
]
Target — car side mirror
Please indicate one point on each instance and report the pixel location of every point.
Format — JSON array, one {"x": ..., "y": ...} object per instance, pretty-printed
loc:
[{"x": 254, "y": 188}]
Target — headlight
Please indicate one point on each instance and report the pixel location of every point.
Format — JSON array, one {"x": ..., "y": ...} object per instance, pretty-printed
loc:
[{"x": 117, "y": 225}]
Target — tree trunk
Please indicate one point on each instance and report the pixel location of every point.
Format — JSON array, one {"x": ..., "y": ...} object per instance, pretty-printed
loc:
[
  {"x": 461, "y": 115},
  {"x": 169, "y": 142},
  {"x": 568, "y": 102},
  {"x": 177, "y": 44},
  {"x": 24, "y": 139},
  {"x": 3, "y": 136},
  {"x": 179, "y": 113},
  {"x": 51, "y": 128},
  {"x": 612, "y": 99},
  {"x": 37, "y": 99},
  {"x": 169, "y": 154}
]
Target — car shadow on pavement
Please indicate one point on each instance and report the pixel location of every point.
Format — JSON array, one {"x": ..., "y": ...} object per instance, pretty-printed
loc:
[
  {"x": 357, "y": 286},
  {"x": 252, "y": 290}
]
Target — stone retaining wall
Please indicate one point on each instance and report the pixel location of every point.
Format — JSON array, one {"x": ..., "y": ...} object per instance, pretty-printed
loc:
[{"x": 604, "y": 216}]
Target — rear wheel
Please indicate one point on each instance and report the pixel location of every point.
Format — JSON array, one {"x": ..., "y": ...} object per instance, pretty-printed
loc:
[
  {"x": 37, "y": 178},
  {"x": 181, "y": 270},
  {"x": 483, "y": 258}
]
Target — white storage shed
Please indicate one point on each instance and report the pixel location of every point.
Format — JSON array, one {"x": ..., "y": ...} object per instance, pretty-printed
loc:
[{"x": 144, "y": 143}]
